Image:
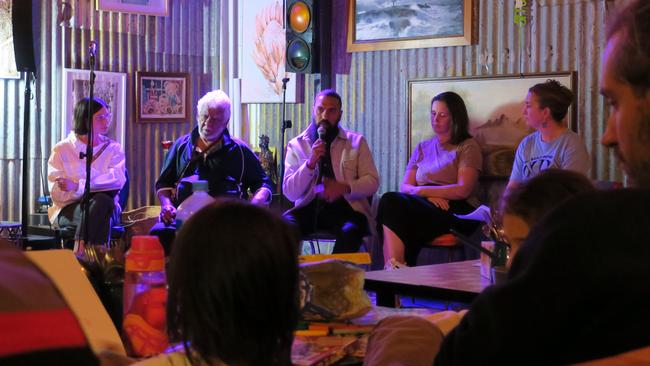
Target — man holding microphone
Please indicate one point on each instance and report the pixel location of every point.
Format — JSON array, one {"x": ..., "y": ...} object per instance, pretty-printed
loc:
[{"x": 329, "y": 175}]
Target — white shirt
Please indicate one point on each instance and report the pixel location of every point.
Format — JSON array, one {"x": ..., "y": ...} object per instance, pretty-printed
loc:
[
  {"x": 107, "y": 171},
  {"x": 351, "y": 161}
]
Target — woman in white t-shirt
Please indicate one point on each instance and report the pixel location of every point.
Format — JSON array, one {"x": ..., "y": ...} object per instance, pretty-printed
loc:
[
  {"x": 67, "y": 175},
  {"x": 439, "y": 181}
]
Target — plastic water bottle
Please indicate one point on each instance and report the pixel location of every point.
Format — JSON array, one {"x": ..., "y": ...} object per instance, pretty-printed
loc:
[
  {"x": 196, "y": 201},
  {"x": 145, "y": 298}
]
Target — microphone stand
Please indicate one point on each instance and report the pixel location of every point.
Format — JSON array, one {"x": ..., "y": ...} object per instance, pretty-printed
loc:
[
  {"x": 24, "y": 212},
  {"x": 284, "y": 126},
  {"x": 85, "y": 201}
]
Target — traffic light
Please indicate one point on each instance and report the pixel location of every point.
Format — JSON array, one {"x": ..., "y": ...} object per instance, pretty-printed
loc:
[{"x": 302, "y": 36}]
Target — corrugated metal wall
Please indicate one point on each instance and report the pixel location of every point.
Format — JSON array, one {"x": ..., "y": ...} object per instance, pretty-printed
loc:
[
  {"x": 185, "y": 41},
  {"x": 561, "y": 35}
]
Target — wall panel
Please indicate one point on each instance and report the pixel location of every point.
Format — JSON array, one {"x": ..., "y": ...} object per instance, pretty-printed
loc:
[
  {"x": 184, "y": 41},
  {"x": 559, "y": 36}
]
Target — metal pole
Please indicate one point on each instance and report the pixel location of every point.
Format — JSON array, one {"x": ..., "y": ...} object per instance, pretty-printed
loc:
[
  {"x": 25, "y": 185},
  {"x": 85, "y": 203},
  {"x": 283, "y": 127}
]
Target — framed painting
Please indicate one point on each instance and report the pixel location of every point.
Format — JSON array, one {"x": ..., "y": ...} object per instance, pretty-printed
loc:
[
  {"x": 8, "y": 68},
  {"x": 375, "y": 25},
  {"x": 494, "y": 105},
  {"x": 162, "y": 97},
  {"x": 145, "y": 7},
  {"x": 263, "y": 56},
  {"x": 110, "y": 86}
]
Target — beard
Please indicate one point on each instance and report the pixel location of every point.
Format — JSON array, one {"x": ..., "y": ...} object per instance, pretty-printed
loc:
[
  {"x": 213, "y": 136},
  {"x": 638, "y": 164},
  {"x": 328, "y": 124}
]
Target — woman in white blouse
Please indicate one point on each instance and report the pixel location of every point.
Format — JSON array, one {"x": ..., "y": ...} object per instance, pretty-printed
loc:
[{"x": 67, "y": 175}]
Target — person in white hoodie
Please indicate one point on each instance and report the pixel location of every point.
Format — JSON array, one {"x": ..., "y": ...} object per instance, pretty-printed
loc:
[
  {"x": 330, "y": 174},
  {"x": 67, "y": 175}
]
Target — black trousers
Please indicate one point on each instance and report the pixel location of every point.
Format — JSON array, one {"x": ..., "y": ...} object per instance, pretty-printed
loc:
[
  {"x": 417, "y": 221},
  {"x": 338, "y": 218},
  {"x": 102, "y": 206}
]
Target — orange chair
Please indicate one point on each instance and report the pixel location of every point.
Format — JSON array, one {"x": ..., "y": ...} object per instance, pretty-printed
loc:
[{"x": 447, "y": 242}]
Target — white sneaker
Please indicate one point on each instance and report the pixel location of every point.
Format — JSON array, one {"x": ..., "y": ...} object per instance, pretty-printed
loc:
[{"x": 393, "y": 264}]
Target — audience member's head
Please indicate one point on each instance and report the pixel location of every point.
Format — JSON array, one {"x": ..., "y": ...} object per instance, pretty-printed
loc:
[
  {"x": 233, "y": 286},
  {"x": 81, "y": 113},
  {"x": 625, "y": 84},
  {"x": 458, "y": 113},
  {"x": 525, "y": 205}
]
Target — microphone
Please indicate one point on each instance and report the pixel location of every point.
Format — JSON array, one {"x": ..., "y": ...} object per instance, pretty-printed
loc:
[
  {"x": 321, "y": 132},
  {"x": 92, "y": 50}
]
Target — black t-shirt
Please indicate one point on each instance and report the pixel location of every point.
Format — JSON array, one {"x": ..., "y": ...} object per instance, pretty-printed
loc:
[{"x": 578, "y": 289}]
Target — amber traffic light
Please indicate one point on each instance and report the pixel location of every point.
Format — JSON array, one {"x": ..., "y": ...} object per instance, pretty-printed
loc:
[
  {"x": 301, "y": 34},
  {"x": 299, "y": 17}
]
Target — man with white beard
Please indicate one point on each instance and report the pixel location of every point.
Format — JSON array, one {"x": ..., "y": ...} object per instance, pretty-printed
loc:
[{"x": 208, "y": 153}]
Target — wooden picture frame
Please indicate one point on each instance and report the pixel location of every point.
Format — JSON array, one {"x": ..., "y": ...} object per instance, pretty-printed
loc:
[
  {"x": 162, "y": 96},
  {"x": 8, "y": 69},
  {"x": 144, "y": 7},
  {"x": 376, "y": 27},
  {"x": 494, "y": 105},
  {"x": 109, "y": 86}
]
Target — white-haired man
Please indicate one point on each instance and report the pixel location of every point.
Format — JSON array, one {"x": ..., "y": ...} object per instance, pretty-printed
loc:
[{"x": 208, "y": 153}]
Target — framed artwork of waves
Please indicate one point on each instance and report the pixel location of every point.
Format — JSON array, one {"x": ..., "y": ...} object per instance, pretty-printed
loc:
[{"x": 375, "y": 25}]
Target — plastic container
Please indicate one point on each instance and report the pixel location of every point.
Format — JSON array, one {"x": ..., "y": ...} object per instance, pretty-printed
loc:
[
  {"x": 145, "y": 298},
  {"x": 196, "y": 201}
]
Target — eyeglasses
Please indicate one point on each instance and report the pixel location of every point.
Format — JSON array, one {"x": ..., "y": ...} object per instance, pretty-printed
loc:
[{"x": 105, "y": 117}]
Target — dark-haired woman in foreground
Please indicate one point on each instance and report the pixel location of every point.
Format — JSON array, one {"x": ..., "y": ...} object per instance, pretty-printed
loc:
[
  {"x": 439, "y": 180},
  {"x": 67, "y": 174},
  {"x": 233, "y": 288}
]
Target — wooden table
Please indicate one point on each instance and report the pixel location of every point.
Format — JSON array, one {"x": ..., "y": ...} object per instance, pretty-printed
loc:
[{"x": 456, "y": 281}]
